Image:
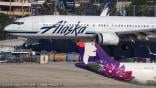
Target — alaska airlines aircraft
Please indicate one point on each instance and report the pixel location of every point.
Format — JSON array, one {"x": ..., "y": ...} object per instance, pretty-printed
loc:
[{"x": 106, "y": 29}]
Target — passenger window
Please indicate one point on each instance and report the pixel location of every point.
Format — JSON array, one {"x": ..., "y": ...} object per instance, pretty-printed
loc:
[
  {"x": 118, "y": 25},
  {"x": 104, "y": 25},
  {"x": 18, "y": 23},
  {"x": 130, "y": 25},
  {"x": 133, "y": 25},
  {"x": 44, "y": 25}
]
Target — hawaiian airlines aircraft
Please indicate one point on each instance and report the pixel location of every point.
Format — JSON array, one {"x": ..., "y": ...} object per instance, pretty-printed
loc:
[
  {"x": 142, "y": 73},
  {"x": 106, "y": 29}
]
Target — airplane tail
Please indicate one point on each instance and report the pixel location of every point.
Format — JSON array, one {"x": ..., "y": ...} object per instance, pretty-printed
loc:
[
  {"x": 105, "y": 10},
  {"x": 104, "y": 64}
]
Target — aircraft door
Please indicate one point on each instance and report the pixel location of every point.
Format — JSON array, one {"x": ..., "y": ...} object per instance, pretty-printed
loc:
[
  {"x": 34, "y": 24},
  {"x": 19, "y": 24},
  {"x": 20, "y": 27}
]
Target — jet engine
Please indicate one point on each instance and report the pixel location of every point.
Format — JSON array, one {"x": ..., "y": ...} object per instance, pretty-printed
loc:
[
  {"x": 30, "y": 42},
  {"x": 107, "y": 39}
]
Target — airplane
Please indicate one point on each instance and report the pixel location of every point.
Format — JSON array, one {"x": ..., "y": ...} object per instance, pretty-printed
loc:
[{"x": 106, "y": 30}]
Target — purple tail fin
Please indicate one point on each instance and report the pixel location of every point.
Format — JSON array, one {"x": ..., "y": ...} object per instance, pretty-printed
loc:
[
  {"x": 106, "y": 65},
  {"x": 104, "y": 57}
]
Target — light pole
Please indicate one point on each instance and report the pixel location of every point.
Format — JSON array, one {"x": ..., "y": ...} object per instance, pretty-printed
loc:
[
  {"x": 133, "y": 10},
  {"x": 10, "y": 8},
  {"x": 116, "y": 6},
  {"x": 155, "y": 10}
]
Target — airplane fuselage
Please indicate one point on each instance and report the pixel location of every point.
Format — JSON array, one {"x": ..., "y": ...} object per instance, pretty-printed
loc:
[{"x": 78, "y": 26}]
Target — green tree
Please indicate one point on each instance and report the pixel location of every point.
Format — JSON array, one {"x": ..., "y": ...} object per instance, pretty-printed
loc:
[
  {"x": 63, "y": 12},
  {"x": 139, "y": 2},
  {"x": 113, "y": 9},
  {"x": 47, "y": 8},
  {"x": 141, "y": 7},
  {"x": 78, "y": 10},
  {"x": 4, "y": 21}
]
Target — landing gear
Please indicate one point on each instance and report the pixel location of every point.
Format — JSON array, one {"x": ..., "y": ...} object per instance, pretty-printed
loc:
[
  {"x": 25, "y": 45},
  {"x": 125, "y": 47}
]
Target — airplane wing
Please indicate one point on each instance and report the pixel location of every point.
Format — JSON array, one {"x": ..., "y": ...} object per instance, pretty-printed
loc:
[{"x": 143, "y": 36}]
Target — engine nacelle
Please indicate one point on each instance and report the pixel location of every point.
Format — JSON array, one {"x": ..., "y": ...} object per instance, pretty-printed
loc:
[{"x": 108, "y": 39}]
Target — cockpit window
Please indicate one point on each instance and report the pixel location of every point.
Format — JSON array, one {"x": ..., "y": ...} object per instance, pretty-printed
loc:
[{"x": 18, "y": 23}]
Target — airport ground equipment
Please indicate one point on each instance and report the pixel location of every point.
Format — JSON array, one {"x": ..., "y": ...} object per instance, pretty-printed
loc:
[
  {"x": 60, "y": 57},
  {"x": 73, "y": 57},
  {"x": 43, "y": 59}
]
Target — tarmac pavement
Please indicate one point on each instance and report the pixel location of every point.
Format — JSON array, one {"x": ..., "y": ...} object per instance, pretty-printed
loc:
[{"x": 57, "y": 75}]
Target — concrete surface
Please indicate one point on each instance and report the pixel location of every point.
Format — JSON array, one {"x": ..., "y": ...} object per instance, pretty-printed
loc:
[{"x": 58, "y": 75}]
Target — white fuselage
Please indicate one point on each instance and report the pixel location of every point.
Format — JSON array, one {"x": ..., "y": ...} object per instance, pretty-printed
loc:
[
  {"x": 78, "y": 26},
  {"x": 144, "y": 73}
]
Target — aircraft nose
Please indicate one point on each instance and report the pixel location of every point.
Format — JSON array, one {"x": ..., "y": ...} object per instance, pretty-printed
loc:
[{"x": 7, "y": 28}]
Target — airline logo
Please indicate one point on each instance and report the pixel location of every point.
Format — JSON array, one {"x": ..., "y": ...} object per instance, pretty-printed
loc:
[
  {"x": 103, "y": 63},
  {"x": 65, "y": 29}
]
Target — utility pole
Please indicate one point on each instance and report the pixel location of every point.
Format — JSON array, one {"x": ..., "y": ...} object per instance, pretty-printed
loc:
[
  {"x": 155, "y": 10},
  {"x": 10, "y": 8},
  {"x": 116, "y": 6},
  {"x": 133, "y": 10},
  {"x": 22, "y": 8}
]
